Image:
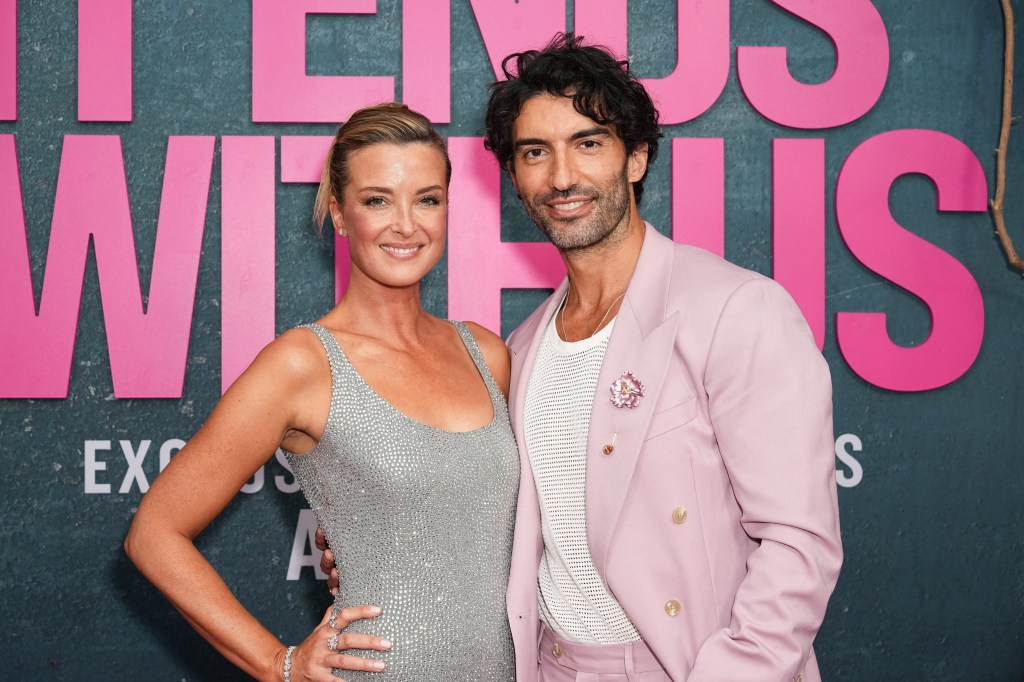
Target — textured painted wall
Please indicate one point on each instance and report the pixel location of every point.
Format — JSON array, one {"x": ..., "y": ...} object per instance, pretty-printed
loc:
[{"x": 932, "y": 506}]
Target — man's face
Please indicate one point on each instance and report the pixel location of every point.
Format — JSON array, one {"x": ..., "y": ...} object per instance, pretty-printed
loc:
[{"x": 573, "y": 174}]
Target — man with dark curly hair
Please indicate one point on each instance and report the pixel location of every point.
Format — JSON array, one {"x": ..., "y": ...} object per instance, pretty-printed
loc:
[{"x": 677, "y": 515}]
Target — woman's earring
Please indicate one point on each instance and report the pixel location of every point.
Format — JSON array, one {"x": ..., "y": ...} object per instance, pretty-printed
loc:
[{"x": 341, "y": 232}]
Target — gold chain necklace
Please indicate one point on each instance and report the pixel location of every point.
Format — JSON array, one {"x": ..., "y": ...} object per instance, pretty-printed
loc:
[{"x": 561, "y": 313}]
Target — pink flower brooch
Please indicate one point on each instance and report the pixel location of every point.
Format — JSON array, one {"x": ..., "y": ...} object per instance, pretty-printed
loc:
[{"x": 627, "y": 391}]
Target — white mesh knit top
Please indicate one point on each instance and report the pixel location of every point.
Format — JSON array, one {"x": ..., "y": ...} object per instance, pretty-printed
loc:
[{"x": 573, "y": 600}]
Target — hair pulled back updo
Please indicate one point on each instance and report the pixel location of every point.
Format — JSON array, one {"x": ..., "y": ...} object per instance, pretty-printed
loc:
[{"x": 388, "y": 123}]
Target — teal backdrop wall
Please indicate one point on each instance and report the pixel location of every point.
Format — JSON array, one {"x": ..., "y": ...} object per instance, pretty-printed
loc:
[{"x": 931, "y": 494}]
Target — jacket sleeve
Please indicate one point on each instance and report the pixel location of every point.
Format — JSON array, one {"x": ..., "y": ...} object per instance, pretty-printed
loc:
[{"x": 770, "y": 401}]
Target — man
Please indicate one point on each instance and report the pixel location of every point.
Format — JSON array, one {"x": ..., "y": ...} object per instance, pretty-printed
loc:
[
  {"x": 677, "y": 515},
  {"x": 677, "y": 507}
]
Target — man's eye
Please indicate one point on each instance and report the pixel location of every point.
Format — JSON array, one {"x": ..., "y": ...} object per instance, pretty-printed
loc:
[
  {"x": 533, "y": 153},
  {"x": 591, "y": 144}
]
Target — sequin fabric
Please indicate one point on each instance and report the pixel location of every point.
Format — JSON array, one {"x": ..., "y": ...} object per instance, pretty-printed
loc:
[{"x": 420, "y": 520}]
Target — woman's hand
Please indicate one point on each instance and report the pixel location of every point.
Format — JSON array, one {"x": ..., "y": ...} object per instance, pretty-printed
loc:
[
  {"x": 313, "y": 660},
  {"x": 327, "y": 563}
]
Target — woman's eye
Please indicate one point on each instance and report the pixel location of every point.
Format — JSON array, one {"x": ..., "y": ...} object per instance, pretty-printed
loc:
[
  {"x": 430, "y": 201},
  {"x": 374, "y": 201}
]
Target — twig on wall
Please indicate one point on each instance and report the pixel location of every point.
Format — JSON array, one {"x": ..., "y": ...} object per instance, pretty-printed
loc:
[{"x": 1004, "y": 140}]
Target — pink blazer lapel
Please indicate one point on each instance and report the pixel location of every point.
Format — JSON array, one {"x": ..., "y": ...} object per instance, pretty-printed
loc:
[{"x": 641, "y": 343}]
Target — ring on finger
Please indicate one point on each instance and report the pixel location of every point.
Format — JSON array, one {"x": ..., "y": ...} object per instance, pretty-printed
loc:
[
  {"x": 333, "y": 622},
  {"x": 332, "y": 642}
]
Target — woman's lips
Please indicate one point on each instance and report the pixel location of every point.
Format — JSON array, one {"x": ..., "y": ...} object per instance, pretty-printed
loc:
[{"x": 402, "y": 251}]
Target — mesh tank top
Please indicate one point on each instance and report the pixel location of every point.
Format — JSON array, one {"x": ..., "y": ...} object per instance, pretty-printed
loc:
[{"x": 420, "y": 520}]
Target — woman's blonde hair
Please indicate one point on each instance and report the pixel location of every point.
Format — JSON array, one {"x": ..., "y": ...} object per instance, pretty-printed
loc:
[{"x": 388, "y": 123}]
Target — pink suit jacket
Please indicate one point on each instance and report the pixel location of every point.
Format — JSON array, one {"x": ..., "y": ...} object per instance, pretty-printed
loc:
[{"x": 735, "y": 428}]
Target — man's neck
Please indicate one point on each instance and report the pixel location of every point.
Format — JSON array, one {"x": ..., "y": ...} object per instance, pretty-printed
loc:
[{"x": 601, "y": 273}]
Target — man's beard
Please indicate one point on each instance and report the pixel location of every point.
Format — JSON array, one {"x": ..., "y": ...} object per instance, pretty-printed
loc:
[{"x": 581, "y": 233}]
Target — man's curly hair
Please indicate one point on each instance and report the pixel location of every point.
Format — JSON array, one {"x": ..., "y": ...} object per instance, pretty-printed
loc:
[{"x": 602, "y": 88}]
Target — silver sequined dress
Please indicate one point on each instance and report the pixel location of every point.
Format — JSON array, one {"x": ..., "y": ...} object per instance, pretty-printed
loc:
[{"x": 420, "y": 520}]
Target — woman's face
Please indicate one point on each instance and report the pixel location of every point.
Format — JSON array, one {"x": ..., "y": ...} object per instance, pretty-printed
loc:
[{"x": 394, "y": 212}]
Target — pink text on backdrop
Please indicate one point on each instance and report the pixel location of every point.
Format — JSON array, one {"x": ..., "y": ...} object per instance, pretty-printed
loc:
[
  {"x": 942, "y": 282},
  {"x": 480, "y": 265},
  {"x": 104, "y": 60},
  {"x": 427, "y": 59},
  {"x": 8, "y": 60},
  {"x": 247, "y": 251},
  {"x": 702, "y": 52},
  {"x": 798, "y": 213},
  {"x": 148, "y": 348},
  {"x": 862, "y": 65},
  {"x": 798, "y": 226},
  {"x": 698, "y": 192},
  {"x": 282, "y": 92}
]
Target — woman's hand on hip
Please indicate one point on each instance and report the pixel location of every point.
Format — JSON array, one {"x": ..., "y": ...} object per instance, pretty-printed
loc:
[{"x": 324, "y": 649}]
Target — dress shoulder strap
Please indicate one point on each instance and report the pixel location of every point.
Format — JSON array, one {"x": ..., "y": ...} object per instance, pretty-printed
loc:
[
  {"x": 478, "y": 358},
  {"x": 340, "y": 368}
]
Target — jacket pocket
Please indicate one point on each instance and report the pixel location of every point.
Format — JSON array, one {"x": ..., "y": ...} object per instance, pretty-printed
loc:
[{"x": 672, "y": 418}]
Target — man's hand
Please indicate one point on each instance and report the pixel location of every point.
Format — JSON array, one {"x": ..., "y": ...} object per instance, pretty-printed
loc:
[{"x": 327, "y": 564}]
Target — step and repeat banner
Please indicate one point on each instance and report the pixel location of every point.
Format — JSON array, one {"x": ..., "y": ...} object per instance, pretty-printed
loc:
[{"x": 158, "y": 164}]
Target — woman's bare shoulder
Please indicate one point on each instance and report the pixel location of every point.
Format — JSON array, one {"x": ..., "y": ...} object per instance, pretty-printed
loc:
[
  {"x": 485, "y": 338},
  {"x": 295, "y": 357}
]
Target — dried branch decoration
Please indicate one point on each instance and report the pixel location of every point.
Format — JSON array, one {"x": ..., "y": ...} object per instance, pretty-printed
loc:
[{"x": 1004, "y": 140}]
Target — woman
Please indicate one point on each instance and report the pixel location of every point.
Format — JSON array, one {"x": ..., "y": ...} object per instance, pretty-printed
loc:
[{"x": 408, "y": 457}]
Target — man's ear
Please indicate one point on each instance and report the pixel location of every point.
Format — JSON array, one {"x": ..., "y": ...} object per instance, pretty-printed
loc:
[{"x": 637, "y": 163}]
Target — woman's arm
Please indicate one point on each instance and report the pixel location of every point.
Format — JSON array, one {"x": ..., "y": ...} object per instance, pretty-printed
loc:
[{"x": 282, "y": 398}]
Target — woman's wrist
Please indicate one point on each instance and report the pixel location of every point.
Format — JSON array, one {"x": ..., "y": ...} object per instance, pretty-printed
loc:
[
  {"x": 280, "y": 667},
  {"x": 288, "y": 663}
]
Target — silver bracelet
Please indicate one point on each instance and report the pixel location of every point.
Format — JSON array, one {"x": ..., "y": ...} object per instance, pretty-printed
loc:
[{"x": 288, "y": 664}]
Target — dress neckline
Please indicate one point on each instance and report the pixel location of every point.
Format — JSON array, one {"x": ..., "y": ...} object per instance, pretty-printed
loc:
[{"x": 416, "y": 422}]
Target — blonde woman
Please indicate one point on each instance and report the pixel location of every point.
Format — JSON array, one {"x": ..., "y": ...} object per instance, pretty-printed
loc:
[{"x": 397, "y": 430}]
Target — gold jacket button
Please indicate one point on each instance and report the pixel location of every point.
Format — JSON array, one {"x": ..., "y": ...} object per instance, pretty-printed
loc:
[
  {"x": 556, "y": 651},
  {"x": 679, "y": 515},
  {"x": 672, "y": 607},
  {"x": 608, "y": 449}
]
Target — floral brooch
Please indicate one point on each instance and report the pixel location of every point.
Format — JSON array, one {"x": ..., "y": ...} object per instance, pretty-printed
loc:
[{"x": 627, "y": 391}]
